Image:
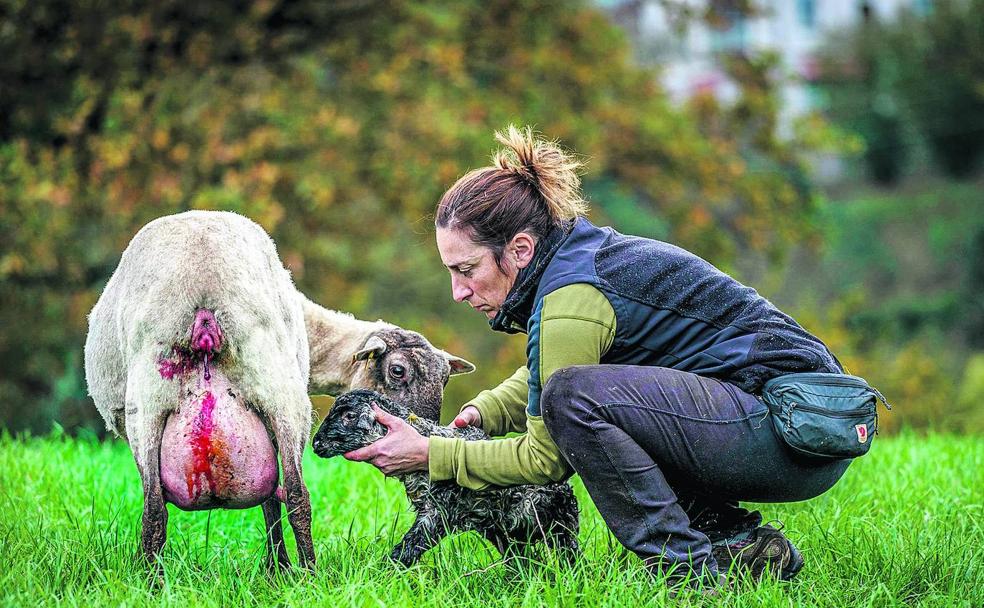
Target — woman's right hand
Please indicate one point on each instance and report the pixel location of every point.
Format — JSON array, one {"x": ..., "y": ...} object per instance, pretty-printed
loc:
[{"x": 469, "y": 415}]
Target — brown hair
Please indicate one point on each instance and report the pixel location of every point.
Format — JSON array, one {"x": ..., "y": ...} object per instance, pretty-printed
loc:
[{"x": 532, "y": 186}]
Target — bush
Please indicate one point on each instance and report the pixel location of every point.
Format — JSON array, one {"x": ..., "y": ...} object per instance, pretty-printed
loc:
[
  {"x": 968, "y": 413},
  {"x": 858, "y": 73},
  {"x": 942, "y": 55}
]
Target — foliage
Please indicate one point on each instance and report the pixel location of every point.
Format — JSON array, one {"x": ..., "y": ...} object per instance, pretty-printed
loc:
[
  {"x": 943, "y": 83},
  {"x": 859, "y": 74},
  {"x": 336, "y": 126},
  {"x": 968, "y": 411},
  {"x": 920, "y": 76},
  {"x": 895, "y": 293}
]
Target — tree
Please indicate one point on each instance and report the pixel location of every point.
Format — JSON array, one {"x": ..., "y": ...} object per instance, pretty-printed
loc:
[
  {"x": 919, "y": 75},
  {"x": 942, "y": 80},
  {"x": 336, "y": 126}
]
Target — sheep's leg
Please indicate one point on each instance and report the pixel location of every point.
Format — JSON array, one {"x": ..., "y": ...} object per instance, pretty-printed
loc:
[
  {"x": 146, "y": 447},
  {"x": 276, "y": 550},
  {"x": 426, "y": 531},
  {"x": 273, "y": 519},
  {"x": 290, "y": 444}
]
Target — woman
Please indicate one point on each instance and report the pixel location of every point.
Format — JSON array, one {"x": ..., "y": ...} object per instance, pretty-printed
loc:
[{"x": 644, "y": 363}]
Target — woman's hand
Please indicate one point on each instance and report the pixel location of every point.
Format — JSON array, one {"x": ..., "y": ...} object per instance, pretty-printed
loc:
[
  {"x": 402, "y": 450},
  {"x": 469, "y": 415}
]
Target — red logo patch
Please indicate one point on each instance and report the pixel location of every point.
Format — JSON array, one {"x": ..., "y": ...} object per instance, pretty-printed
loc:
[{"x": 862, "y": 430}]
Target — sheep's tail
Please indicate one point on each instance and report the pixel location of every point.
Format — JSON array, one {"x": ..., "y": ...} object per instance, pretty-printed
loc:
[{"x": 206, "y": 337}]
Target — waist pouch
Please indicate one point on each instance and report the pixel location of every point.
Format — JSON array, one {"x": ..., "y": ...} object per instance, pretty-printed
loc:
[{"x": 824, "y": 415}]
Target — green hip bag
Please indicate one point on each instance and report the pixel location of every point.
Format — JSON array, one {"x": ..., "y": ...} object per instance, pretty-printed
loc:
[{"x": 824, "y": 415}]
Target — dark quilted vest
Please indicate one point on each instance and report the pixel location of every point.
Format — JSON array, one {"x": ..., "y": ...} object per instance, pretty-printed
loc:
[{"x": 673, "y": 310}]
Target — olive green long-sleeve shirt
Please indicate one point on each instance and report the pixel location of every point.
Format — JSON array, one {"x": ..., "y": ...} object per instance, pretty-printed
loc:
[{"x": 577, "y": 326}]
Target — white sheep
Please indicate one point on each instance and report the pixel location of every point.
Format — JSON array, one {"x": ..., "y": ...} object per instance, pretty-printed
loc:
[{"x": 200, "y": 352}]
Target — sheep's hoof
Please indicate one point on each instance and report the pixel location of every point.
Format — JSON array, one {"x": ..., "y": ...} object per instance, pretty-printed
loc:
[
  {"x": 274, "y": 566},
  {"x": 154, "y": 573}
]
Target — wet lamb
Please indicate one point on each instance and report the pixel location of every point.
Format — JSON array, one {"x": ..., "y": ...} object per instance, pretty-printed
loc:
[
  {"x": 511, "y": 518},
  {"x": 201, "y": 353}
]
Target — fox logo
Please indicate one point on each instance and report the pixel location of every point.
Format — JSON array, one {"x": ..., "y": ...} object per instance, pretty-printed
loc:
[{"x": 862, "y": 430}]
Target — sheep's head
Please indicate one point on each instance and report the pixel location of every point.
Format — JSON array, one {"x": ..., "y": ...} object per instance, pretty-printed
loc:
[
  {"x": 351, "y": 423},
  {"x": 405, "y": 367}
]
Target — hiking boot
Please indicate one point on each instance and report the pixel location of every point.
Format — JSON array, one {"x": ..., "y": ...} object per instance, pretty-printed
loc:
[
  {"x": 706, "y": 588},
  {"x": 732, "y": 526},
  {"x": 761, "y": 549}
]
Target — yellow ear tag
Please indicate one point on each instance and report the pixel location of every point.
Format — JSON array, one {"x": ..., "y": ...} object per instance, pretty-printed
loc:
[
  {"x": 413, "y": 418},
  {"x": 369, "y": 357}
]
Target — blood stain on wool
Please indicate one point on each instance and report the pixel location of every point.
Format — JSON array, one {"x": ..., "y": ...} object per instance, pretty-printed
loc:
[{"x": 202, "y": 450}]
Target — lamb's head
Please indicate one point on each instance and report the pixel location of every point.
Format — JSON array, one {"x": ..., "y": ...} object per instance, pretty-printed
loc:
[
  {"x": 351, "y": 423},
  {"x": 405, "y": 367}
]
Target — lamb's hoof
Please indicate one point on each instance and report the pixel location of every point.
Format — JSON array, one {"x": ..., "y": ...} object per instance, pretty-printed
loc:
[{"x": 399, "y": 559}]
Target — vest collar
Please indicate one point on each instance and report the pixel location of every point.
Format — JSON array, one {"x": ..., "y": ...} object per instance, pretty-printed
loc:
[{"x": 516, "y": 310}]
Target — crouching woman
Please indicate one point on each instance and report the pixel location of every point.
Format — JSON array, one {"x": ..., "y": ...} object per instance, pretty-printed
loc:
[{"x": 645, "y": 364}]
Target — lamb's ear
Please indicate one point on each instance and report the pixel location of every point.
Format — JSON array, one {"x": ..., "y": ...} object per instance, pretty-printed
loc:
[
  {"x": 373, "y": 347},
  {"x": 458, "y": 365}
]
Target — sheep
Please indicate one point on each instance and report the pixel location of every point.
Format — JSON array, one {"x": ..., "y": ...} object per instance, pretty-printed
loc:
[
  {"x": 399, "y": 363},
  {"x": 511, "y": 518},
  {"x": 200, "y": 354}
]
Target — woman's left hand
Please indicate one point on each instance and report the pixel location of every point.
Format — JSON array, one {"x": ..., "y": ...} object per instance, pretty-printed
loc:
[{"x": 402, "y": 450}]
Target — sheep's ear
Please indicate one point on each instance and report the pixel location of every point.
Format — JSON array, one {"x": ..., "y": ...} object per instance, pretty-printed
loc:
[
  {"x": 373, "y": 347},
  {"x": 458, "y": 365}
]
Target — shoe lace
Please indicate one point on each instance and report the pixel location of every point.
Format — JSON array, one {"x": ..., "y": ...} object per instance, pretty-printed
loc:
[{"x": 775, "y": 523}]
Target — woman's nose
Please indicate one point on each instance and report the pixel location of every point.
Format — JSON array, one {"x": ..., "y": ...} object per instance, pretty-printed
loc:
[{"x": 459, "y": 291}]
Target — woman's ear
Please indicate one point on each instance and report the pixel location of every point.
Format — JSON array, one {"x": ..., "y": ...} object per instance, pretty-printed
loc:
[{"x": 522, "y": 246}]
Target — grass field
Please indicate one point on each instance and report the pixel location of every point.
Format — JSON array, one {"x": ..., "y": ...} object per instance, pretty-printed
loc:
[{"x": 904, "y": 527}]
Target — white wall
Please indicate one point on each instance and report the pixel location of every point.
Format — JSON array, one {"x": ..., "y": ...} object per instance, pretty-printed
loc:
[{"x": 689, "y": 60}]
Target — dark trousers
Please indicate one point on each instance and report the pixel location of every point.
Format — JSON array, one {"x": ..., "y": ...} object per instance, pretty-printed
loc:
[{"x": 661, "y": 451}]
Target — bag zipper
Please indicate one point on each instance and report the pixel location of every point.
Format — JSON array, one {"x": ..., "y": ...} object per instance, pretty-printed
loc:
[
  {"x": 817, "y": 410},
  {"x": 835, "y": 380},
  {"x": 788, "y": 410}
]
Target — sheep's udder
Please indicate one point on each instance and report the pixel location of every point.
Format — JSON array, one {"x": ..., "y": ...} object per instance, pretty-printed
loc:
[{"x": 215, "y": 451}]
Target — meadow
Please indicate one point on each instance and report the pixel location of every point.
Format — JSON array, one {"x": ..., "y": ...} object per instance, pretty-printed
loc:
[{"x": 904, "y": 527}]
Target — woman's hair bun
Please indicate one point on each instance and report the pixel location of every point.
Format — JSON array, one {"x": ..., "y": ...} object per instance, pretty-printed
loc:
[{"x": 545, "y": 167}]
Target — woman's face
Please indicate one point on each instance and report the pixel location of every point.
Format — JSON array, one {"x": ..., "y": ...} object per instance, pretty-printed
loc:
[{"x": 475, "y": 277}]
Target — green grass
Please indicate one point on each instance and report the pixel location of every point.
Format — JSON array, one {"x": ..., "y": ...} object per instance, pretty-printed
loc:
[{"x": 904, "y": 527}]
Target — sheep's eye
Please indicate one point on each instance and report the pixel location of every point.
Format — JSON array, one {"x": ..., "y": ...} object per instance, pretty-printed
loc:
[
  {"x": 398, "y": 371},
  {"x": 348, "y": 417}
]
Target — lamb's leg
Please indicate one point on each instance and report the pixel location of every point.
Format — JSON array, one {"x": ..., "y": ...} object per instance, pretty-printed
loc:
[
  {"x": 519, "y": 547},
  {"x": 564, "y": 542},
  {"x": 276, "y": 550},
  {"x": 427, "y": 530},
  {"x": 290, "y": 444},
  {"x": 555, "y": 520},
  {"x": 499, "y": 539}
]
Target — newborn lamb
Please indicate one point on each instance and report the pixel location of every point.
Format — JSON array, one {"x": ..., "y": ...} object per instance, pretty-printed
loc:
[{"x": 511, "y": 518}]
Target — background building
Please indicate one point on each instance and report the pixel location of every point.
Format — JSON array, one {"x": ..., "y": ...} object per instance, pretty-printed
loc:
[{"x": 690, "y": 54}]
